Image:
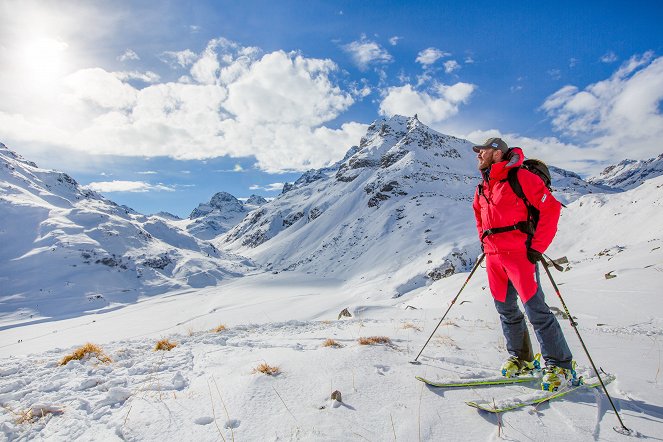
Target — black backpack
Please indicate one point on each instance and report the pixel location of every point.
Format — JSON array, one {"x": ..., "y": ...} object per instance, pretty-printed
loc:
[{"x": 538, "y": 168}]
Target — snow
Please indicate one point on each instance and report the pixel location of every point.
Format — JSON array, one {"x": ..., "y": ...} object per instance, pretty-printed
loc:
[{"x": 206, "y": 387}]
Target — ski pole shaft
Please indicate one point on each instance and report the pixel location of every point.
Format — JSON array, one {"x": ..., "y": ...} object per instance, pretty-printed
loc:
[
  {"x": 584, "y": 347},
  {"x": 453, "y": 301}
]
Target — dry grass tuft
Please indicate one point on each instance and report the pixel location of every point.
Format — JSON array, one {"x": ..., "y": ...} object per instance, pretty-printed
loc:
[
  {"x": 219, "y": 328},
  {"x": 87, "y": 350},
  {"x": 447, "y": 341},
  {"x": 331, "y": 343},
  {"x": 165, "y": 344},
  {"x": 374, "y": 340},
  {"x": 410, "y": 325},
  {"x": 265, "y": 368},
  {"x": 35, "y": 413}
]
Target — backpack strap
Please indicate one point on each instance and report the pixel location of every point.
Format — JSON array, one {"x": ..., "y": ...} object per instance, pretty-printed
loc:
[
  {"x": 532, "y": 212},
  {"x": 512, "y": 178}
]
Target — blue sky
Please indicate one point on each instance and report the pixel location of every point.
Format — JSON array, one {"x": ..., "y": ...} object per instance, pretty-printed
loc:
[{"x": 159, "y": 105}]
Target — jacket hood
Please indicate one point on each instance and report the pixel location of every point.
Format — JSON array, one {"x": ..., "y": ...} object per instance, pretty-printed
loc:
[{"x": 514, "y": 158}]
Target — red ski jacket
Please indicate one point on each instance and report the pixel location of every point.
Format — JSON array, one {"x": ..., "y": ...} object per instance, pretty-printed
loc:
[{"x": 498, "y": 206}]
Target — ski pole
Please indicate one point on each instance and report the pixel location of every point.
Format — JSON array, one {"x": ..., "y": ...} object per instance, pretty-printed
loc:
[
  {"x": 623, "y": 429},
  {"x": 476, "y": 266}
]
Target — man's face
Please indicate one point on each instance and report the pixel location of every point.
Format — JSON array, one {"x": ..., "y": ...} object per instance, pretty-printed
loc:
[{"x": 488, "y": 157}]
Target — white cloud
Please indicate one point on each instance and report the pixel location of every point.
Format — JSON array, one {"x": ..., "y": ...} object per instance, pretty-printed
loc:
[
  {"x": 128, "y": 55},
  {"x": 99, "y": 87},
  {"x": 432, "y": 108},
  {"x": 430, "y": 55},
  {"x": 148, "y": 172},
  {"x": 608, "y": 57},
  {"x": 238, "y": 103},
  {"x": 551, "y": 150},
  {"x": 469, "y": 60},
  {"x": 287, "y": 88},
  {"x": 619, "y": 115},
  {"x": 555, "y": 74},
  {"x": 147, "y": 77},
  {"x": 179, "y": 58},
  {"x": 394, "y": 40},
  {"x": 126, "y": 186},
  {"x": 362, "y": 90},
  {"x": 273, "y": 187},
  {"x": 194, "y": 29},
  {"x": 365, "y": 52},
  {"x": 450, "y": 66}
]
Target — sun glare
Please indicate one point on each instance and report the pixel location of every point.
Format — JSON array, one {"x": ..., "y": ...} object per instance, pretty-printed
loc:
[{"x": 42, "y": 59}]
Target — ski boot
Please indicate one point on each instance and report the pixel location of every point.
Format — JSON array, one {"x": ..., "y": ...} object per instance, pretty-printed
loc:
[
  {"x": 554, "y": 377},
  {"x": 515, "y": 367}
]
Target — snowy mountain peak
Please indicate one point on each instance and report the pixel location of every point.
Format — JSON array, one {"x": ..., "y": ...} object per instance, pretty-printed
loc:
[
  {"x": 222, "y": 202},
  {"x": 255, "y": 200},
  {"x": 628, "y": 174},
  {"x": 390, "y": 140}
]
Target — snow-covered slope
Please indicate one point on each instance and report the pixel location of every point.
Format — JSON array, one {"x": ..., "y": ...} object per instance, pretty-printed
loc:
[
  {"x": 400, "y": 202},
  {"x": 569, "y": 186},
  {"x": 66, "y": 250},
  {"x": 628, "y": 174},
  {"x": 206, "y": 388}
]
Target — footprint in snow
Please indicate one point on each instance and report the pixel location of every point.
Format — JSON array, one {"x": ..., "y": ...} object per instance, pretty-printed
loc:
[
  {"x": 382, "y": 369},
  {"x": 204, "y": 420},
  {"x": 232, "y": 423}
]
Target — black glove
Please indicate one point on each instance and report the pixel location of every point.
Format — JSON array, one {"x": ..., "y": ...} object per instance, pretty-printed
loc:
[{"x": 534, "y": 256}]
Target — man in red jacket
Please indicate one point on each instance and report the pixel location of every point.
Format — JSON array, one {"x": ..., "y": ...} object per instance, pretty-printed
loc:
[{"x": 512, "y": 250}]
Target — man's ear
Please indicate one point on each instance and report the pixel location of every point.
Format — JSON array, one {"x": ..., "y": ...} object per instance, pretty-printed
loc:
[{"x": 498, "y": 155}]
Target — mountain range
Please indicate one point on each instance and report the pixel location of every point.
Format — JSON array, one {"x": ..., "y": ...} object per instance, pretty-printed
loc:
[
  {"x": 396, "y": 208},
  {"x": 67, "y": 250}
]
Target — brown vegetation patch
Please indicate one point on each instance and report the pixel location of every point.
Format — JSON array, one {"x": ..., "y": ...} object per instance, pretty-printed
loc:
[
  {"x": 35, "y": 413},
  {"x": 375, "y": 340},
  {"x": 265, "y": 368},
  {"x": 87, "y": 350},
  {"x": 408, "y": 325},
  {"x": 331, "y": 343},
  {"x": 165, "y": 344},
  {"x": 219, "y": 328}
]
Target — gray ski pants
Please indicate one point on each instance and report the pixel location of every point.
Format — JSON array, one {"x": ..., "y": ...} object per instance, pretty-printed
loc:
[{"x": 554, "y": 349}]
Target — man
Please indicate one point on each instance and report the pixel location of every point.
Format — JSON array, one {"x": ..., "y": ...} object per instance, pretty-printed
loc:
[{"x": 511, "y": 257}]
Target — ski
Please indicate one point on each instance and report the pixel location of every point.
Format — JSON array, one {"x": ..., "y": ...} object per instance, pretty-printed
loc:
[
  {"x": 474, "y": 382},
  {"x": 539, "y": 397}
]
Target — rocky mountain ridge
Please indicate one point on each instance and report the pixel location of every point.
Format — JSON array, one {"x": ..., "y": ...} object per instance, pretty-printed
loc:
[{"x": 628, "y": 174}]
